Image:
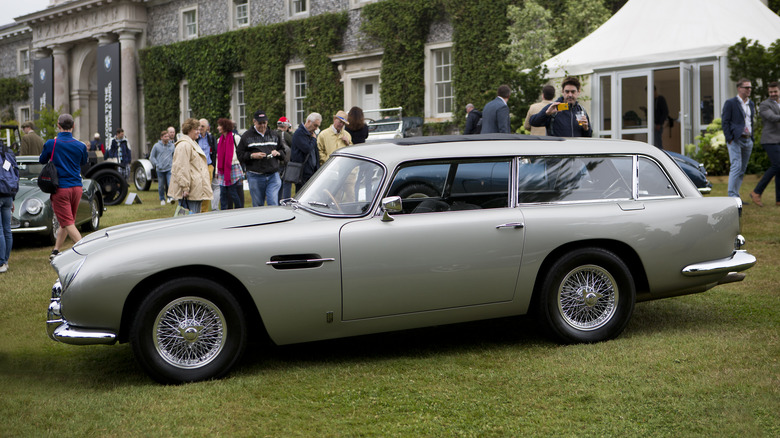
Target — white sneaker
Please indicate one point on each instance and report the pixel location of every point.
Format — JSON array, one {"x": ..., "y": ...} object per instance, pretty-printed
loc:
[
  {"x": 3, "y": 267},
  {"x": 162, "y": 202}
]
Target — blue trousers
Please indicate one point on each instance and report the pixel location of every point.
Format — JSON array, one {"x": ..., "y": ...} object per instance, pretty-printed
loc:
[
  {"x": 163, "y": 182},
  {"x": 739, "y": 154},
  {"x": 6, "y": 238},
  {"x": 264, "y": 188}
]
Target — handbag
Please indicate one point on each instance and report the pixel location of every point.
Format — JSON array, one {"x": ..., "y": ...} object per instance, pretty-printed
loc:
[
  {"x": 182, "y": 210},
  {"x": 48, "y": 180},
  {"x": 293, "y": 173}
]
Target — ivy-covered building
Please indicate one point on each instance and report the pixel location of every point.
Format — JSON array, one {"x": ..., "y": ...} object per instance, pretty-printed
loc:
[{"x": 147, "y": 64}]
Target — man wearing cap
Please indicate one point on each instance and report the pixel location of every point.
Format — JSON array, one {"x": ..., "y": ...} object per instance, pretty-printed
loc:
[
  {"x": 335, "y": 137},
  {"x": 261, "y": 151}
]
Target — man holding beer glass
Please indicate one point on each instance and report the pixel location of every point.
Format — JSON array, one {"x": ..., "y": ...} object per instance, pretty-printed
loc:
[{"x": 565, "y": 117}]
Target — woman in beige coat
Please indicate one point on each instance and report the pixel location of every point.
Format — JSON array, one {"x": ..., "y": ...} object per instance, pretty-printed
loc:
[{"x": 190, "y": 182}]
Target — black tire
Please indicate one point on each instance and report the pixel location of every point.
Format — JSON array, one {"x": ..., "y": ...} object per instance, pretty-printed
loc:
[
  {"x": 141, "y": 181},
  {"x": 173, "y": 347},
  {"x": 588, "y": 295},
  {"x": 112, "y": 184},
  {"x": 94, "y": 216},
  {"x": 417, "y": 190}
]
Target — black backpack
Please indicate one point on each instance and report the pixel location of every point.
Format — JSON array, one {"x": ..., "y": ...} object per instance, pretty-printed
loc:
[{"x": 9, "y": 173}]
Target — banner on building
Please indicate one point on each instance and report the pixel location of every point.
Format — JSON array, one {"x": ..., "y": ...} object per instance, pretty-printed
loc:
[
  {"x": 109, "y": 91},
  {"x": 43, "y": 84}
]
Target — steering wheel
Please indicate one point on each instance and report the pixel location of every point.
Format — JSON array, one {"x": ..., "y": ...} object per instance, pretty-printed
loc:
[{"x": 333, "y": 198}]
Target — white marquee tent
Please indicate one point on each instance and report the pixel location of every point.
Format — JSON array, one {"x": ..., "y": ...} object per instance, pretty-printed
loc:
[{"x": 678, "y": 46}]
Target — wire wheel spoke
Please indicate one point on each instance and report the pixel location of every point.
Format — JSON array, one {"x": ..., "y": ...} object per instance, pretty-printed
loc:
[
  {"x": 587, "y": 297},
  {"x": 190, "y": 332}
]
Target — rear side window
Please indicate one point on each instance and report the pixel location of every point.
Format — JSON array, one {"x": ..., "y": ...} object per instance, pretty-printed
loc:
[
  {"x": 653, "y": 182},
  {"x": 559, "y": 179}
]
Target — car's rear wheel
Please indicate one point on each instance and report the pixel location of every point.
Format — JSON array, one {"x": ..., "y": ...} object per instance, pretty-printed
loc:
[
  {"x": 142, "y": 183},
  {"x": 94, "y": 216},
  {"x": 113, "y": 186},
  {"x": 188, "y": 329},
  {"x": 55, "y": 227},
  {"x": 588, "y": 296}
]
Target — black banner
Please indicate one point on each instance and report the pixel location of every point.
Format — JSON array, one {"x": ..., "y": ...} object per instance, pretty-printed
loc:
[
  {"x": 43, "y": 84},
  {"x": 109, "y": 91}
]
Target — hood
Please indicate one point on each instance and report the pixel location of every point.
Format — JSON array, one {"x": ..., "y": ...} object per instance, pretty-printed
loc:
[
  {"x": 27, "y": 188},
  {"x": 185, "y": 225}
]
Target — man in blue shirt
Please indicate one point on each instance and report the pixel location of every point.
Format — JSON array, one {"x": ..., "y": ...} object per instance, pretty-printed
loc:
[{"x": 68, "y": 155}]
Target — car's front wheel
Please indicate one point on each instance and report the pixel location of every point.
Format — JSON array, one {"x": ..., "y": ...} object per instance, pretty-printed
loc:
[
  {"x": 588, "y": 295},
  {"x": 141, "y": 181},
  {"x": 94, "y": 216},
  {"x": 188, "y": 329}
]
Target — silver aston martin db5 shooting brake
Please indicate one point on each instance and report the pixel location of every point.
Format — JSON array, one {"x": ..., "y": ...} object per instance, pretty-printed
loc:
[{"x": 402, "y": 234}]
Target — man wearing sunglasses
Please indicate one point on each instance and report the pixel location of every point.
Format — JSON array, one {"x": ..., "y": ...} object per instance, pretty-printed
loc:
[{"x": 737, "y": 117}]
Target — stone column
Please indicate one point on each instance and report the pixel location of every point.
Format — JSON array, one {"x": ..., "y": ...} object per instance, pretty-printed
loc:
[
  {"x": 61, "y": 78},
  {"x": 128, "y": 52}
]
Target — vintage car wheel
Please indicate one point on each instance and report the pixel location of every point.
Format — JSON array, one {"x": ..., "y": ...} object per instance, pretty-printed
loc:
[
  {"x": 55, "y": 227},
  {"x": 142, "y": 183},
  {"x": 188, "y": 329},
  {"x": 587, "y": 296},
  {"x": 113, "y": 186},
  {"x": 94, "y": 216}
]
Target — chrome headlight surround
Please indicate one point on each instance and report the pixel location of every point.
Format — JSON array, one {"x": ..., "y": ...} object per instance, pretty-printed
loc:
[{"x": 32, "y": 206}]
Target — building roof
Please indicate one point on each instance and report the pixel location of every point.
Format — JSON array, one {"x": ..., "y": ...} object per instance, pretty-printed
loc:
[{"x": 655, "y": 31}]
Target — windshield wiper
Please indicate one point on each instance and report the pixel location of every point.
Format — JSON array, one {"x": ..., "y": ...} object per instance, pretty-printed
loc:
[
  {"x": 319, "y": 204},
  {"x": 289, "y": 201}
]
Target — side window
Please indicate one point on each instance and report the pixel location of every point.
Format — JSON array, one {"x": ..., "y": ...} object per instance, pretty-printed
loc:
[
  {"x": 566, "y": 179},
  {"x": 426, "y": 188},
  {"x": 653, "y": 182}
]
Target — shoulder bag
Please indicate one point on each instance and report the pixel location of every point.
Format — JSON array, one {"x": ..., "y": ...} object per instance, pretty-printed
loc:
[{"x": 48, "y": 180}]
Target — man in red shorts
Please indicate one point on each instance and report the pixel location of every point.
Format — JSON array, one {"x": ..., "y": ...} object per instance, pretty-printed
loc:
[{"x": 68, "y": 155}]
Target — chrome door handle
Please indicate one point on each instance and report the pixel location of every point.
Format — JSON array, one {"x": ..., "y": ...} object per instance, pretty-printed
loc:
[{"x": 514, "y": 225}]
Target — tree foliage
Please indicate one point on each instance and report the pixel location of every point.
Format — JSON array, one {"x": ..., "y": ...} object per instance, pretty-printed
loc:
[
  {"x": 530, "y": 42},
  {"x": 47, "y": 121}
]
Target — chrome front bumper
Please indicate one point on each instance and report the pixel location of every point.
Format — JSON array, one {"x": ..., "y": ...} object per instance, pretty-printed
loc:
[
  {"x": 60, "y": 331},
  {"x": 740, "y": 260}
]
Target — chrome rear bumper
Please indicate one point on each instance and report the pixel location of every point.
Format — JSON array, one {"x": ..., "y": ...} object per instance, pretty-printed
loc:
[{"x": 740, "y": 260}]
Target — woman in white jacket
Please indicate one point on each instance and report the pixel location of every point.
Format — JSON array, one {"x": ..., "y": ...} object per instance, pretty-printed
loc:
[
  {"x": 230, "y": 176},
  {"x": 190, "y": 182}
]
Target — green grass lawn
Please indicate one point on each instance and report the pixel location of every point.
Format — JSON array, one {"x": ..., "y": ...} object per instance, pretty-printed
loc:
[{"x": 701, "y": 365}]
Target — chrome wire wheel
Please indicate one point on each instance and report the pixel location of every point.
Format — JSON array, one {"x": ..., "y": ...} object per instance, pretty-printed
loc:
[
  {"x": 190, "y": 332},
  {"x": 588, "y": 297}
]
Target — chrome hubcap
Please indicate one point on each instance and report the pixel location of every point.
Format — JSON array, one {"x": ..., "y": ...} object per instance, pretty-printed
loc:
[
  {"x": 588, "y": 297},
  {"x": 190, "y": 332}
]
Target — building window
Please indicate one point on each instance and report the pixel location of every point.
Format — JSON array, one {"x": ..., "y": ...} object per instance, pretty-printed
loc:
[
  {"x": 299, "y": 94},
  {"x": 298, "y": 8},
  {"x": 189, "y": 20},
  {"x": 24, "y": 114},
  {"x": 24, "y": 62},
  {"x": 241, "y": 12},
  {"x": 239, "y": 104},
  {"x": 442, "y": 68},
  {"x": 186, "y": 111}
]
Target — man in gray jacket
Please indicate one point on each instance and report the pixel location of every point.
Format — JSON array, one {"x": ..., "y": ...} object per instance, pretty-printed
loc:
[
  {"x": 161, "y": 158},
  {"x": 769, "y": 110}
]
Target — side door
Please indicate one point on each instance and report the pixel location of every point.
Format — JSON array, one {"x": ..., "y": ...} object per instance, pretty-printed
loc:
[{"x": 457, "y": 243}]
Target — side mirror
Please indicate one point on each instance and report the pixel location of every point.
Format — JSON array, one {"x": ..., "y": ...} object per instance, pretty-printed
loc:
[{"x": 391, "y": 204}]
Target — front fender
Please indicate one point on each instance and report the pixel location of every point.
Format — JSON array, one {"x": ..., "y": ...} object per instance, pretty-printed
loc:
[
  {"x": 100, "y": 166},
  {"x": 147, "y": 166}
]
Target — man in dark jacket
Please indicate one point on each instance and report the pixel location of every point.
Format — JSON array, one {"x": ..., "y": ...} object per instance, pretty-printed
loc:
[
  {"x": 304, "y": 148},
  {"x": 120, "y": 150},
  {"x": 473, "y": 119},
  {"x": 261, "y": 151},
  {"x": 495, "y": 115},
  {"x": 572, "y": 122},
  {"x": 737, "y": 119}
]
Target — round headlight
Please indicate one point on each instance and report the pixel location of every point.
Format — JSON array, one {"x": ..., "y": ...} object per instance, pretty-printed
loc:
[{"x": 32, "y": 206}]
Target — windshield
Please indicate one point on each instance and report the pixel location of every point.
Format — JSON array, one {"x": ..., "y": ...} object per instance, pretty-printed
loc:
[
  {"x": 344, "y": 186},
  {"x": 29, "y": 170}
]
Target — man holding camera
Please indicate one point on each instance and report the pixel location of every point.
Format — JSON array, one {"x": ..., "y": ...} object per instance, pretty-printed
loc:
[{"x": 565, "y": 117}]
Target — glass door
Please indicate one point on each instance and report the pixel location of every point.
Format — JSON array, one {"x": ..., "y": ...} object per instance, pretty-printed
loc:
[{"x": 634, "y": 98}]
